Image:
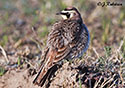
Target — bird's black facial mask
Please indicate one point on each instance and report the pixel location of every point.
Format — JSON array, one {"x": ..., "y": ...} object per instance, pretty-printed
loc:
[
  {"x": 62, "y": 13},
  {"x": 65, "y": 15},
  {"x": 68, "y": 15}
]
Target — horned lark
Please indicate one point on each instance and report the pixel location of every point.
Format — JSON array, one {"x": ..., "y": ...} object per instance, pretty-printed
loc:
[{"x": 68, "y": 39}]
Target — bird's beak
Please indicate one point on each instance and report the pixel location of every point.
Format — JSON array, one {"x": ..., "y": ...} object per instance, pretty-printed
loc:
[{"x": 59, "y": 13}]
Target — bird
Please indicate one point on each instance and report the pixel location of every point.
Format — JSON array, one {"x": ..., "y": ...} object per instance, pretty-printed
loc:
[{"x": 68, "y": 39}]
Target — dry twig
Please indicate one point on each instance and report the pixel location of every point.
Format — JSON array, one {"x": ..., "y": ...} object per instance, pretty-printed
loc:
[{"x": 4, "y": 54}]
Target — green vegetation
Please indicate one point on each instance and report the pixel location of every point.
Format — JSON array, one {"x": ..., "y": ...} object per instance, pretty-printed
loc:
[
  {"x": 4, "y": 40},
  {"x": 106, "y": 29},
  {"x": 2, "y": 71},
  {"x": 80, "y": 84},
  {"x": 19, "y": 61}
]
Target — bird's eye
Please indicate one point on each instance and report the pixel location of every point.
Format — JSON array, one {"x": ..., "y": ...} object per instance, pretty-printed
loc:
[{"x": 74, "y": 14}]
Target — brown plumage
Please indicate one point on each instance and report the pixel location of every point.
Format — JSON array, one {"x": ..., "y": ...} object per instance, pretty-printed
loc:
[{"x": 68, "y": 39}]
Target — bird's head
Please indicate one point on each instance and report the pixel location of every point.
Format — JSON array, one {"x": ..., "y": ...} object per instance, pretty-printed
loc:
[{"x": 70, "y": 13}]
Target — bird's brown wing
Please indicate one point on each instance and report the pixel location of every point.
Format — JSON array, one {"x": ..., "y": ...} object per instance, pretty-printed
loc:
[{"x": 57, "y": 50}]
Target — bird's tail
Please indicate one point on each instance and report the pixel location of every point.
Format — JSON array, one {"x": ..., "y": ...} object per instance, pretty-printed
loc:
[
  {"x": 45, "y": 70},
  {"x": 49, "y": 66},
  {"x": 41, "y": 77}
]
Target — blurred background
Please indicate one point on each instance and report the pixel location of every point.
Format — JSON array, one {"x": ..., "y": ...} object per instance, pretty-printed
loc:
[
  {"x": 17, "y": 17},
  {"x": 25, "y": 24}
]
